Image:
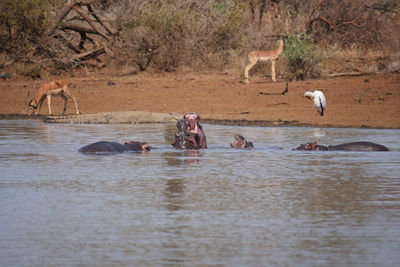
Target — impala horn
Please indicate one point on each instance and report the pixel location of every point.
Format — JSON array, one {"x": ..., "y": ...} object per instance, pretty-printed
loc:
[{"x": 26, "y": 102}]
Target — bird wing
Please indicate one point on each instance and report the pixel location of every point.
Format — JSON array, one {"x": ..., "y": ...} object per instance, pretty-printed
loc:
[
  {"x": 321, "y": 109},
  {"x": 320, "y": 102}
]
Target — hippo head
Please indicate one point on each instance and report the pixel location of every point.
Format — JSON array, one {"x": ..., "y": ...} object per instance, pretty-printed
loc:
[
  {"x": 137, "y": 146},
  {"x": 184, "y": 139},
  {"x": 196, "y": 130},
  {"x": 241, "y": 142},
  {"x": 181, "y": 134},
  {"x": 194, "y": 119},
  {"x": 183, "y": 127},
  {"x": 189, "y": 133},
  {"x": 311, "y": 146}
]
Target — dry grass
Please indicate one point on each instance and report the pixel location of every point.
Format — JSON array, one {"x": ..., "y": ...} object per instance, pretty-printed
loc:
[{"x": 197, "y": 35}]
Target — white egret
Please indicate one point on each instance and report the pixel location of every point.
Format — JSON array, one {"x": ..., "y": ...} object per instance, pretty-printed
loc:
[{"x": 319, "y": 100}]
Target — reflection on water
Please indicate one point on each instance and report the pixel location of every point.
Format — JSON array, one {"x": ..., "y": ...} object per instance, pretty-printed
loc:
[{"x": 220, "y": 206}]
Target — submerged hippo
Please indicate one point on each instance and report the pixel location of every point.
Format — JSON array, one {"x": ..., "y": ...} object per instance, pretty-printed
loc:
[
  {"x": 105, "y": 147},
  {"x": 183, "y": 139},
  {"x": 241, "y": 142},
  {"x": 354, "y": 146},
  {"x": 190, "y": 134}
]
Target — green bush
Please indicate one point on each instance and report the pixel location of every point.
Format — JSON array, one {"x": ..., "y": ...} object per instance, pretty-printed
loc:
[
  {"x": 303, "y": 58},
  {"x": 30, "y": 70},
  {"x": 22, "y": 24},
  {"x": 167, "y": 36}
]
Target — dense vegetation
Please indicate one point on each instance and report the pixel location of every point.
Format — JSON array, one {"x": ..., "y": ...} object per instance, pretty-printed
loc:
[{"x": 138, "y": 35}]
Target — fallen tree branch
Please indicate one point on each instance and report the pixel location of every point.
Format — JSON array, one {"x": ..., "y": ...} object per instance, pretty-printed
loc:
[
  {"x": 64, "y": 12},
  {"x": 68, "y": 44},
  {"x": 80, "y": 12},
  {"x": 99, "y": 20},
  {"x": 77, "y": 28},
  {"x": 342, "y": 74},
  {"x": 91, "y": 54},
  {"x": 84, "y": 37},
  {"x": 282, "y": 93},
  {"x": 277, "y": 104},
  {"x": 92, "y": 27}
]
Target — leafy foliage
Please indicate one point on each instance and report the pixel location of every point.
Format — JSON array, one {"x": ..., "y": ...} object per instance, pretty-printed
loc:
[
  {"x": 195, "y": 35},
  {"x": 169, "y": 35},
  {"x": 302, "y": 57},
  {"x": 22, "y": 24},
  {"x": 30, "y": 70}
]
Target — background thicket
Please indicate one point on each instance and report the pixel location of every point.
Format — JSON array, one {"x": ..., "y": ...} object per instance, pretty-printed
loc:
[{"x": 128, "y": 36}]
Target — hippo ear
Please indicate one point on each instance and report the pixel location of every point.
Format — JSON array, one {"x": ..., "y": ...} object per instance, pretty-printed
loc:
[
  {"x": 314, "y": 146},
  {"x": 145, "y": 146}
]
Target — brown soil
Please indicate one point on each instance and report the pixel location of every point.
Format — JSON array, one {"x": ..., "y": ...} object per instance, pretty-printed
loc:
[{"x": 364, "y": 101}]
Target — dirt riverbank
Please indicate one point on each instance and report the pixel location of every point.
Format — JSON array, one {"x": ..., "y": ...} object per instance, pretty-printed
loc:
[{"x": 363, "y": 101}]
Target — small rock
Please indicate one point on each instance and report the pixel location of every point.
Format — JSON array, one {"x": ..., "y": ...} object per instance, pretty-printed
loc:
[{"x": 4, "y": 75}]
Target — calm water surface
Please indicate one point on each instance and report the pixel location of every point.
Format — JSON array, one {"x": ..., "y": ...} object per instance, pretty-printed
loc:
[{"x": 269, "y": 206}]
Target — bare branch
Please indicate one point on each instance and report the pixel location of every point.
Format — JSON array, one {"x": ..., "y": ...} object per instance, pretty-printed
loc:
[
  {"x": 320, "y": 18},
  {"x": 6, "y": 61},
  {"x": 80, "y": 12},
  {"x": 98, "y": 20},
  {"x": 69, "y": 44},
  {"x": 77, "y": 28},
  {"x": 310, "y": 17},
  {"x": 91, "y": 54},
  {"x": 64, "y": 12}
]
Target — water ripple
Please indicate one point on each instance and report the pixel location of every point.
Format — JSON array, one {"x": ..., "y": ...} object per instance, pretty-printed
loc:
[{"x": 220, "y": 206}]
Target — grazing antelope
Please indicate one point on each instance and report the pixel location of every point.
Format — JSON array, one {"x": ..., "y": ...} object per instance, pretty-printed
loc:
[
  {"x": 47, "y": 90},
  {"x": 319, "y": 100},
  {"x": 263, "y": 55}
]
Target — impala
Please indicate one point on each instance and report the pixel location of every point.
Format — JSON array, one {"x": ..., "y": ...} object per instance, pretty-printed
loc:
[
  {"x": 263, "y": 55},
  {"x": 47, "y": 90}
]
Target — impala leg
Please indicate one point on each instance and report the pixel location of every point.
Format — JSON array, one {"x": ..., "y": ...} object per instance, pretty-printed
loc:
[
  {"x": 67, "y": 93},
  {"x": 273, "y": 70},
  {"x": 48, "y": 103},
  {"x": 247, "y": 69},
  {"x": 76, "y": 105},
  {"x": 65, "y": 103},
  {"x": 39, "y": 106}
]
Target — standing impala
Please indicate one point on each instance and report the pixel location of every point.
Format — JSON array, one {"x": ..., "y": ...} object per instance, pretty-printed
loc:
[
  {"x": 47, "y": 90},
  {"x": 263, "y": 55}
]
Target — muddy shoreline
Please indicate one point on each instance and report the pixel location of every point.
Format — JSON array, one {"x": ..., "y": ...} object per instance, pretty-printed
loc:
[
  {"x": 371, "y": 101},
  {"x": 261, "y": 123}
]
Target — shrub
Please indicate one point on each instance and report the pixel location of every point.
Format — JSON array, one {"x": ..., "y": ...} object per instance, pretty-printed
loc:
[
  {"x": 166, "y": 36},
  {"x": 302, "y": 57},
  {"x": 33, "y": 70},
  {"x": 22, "y": 24}
]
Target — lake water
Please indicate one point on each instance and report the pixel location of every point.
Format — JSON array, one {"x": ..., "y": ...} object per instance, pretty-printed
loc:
[{"x": 268, "y": 206}]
